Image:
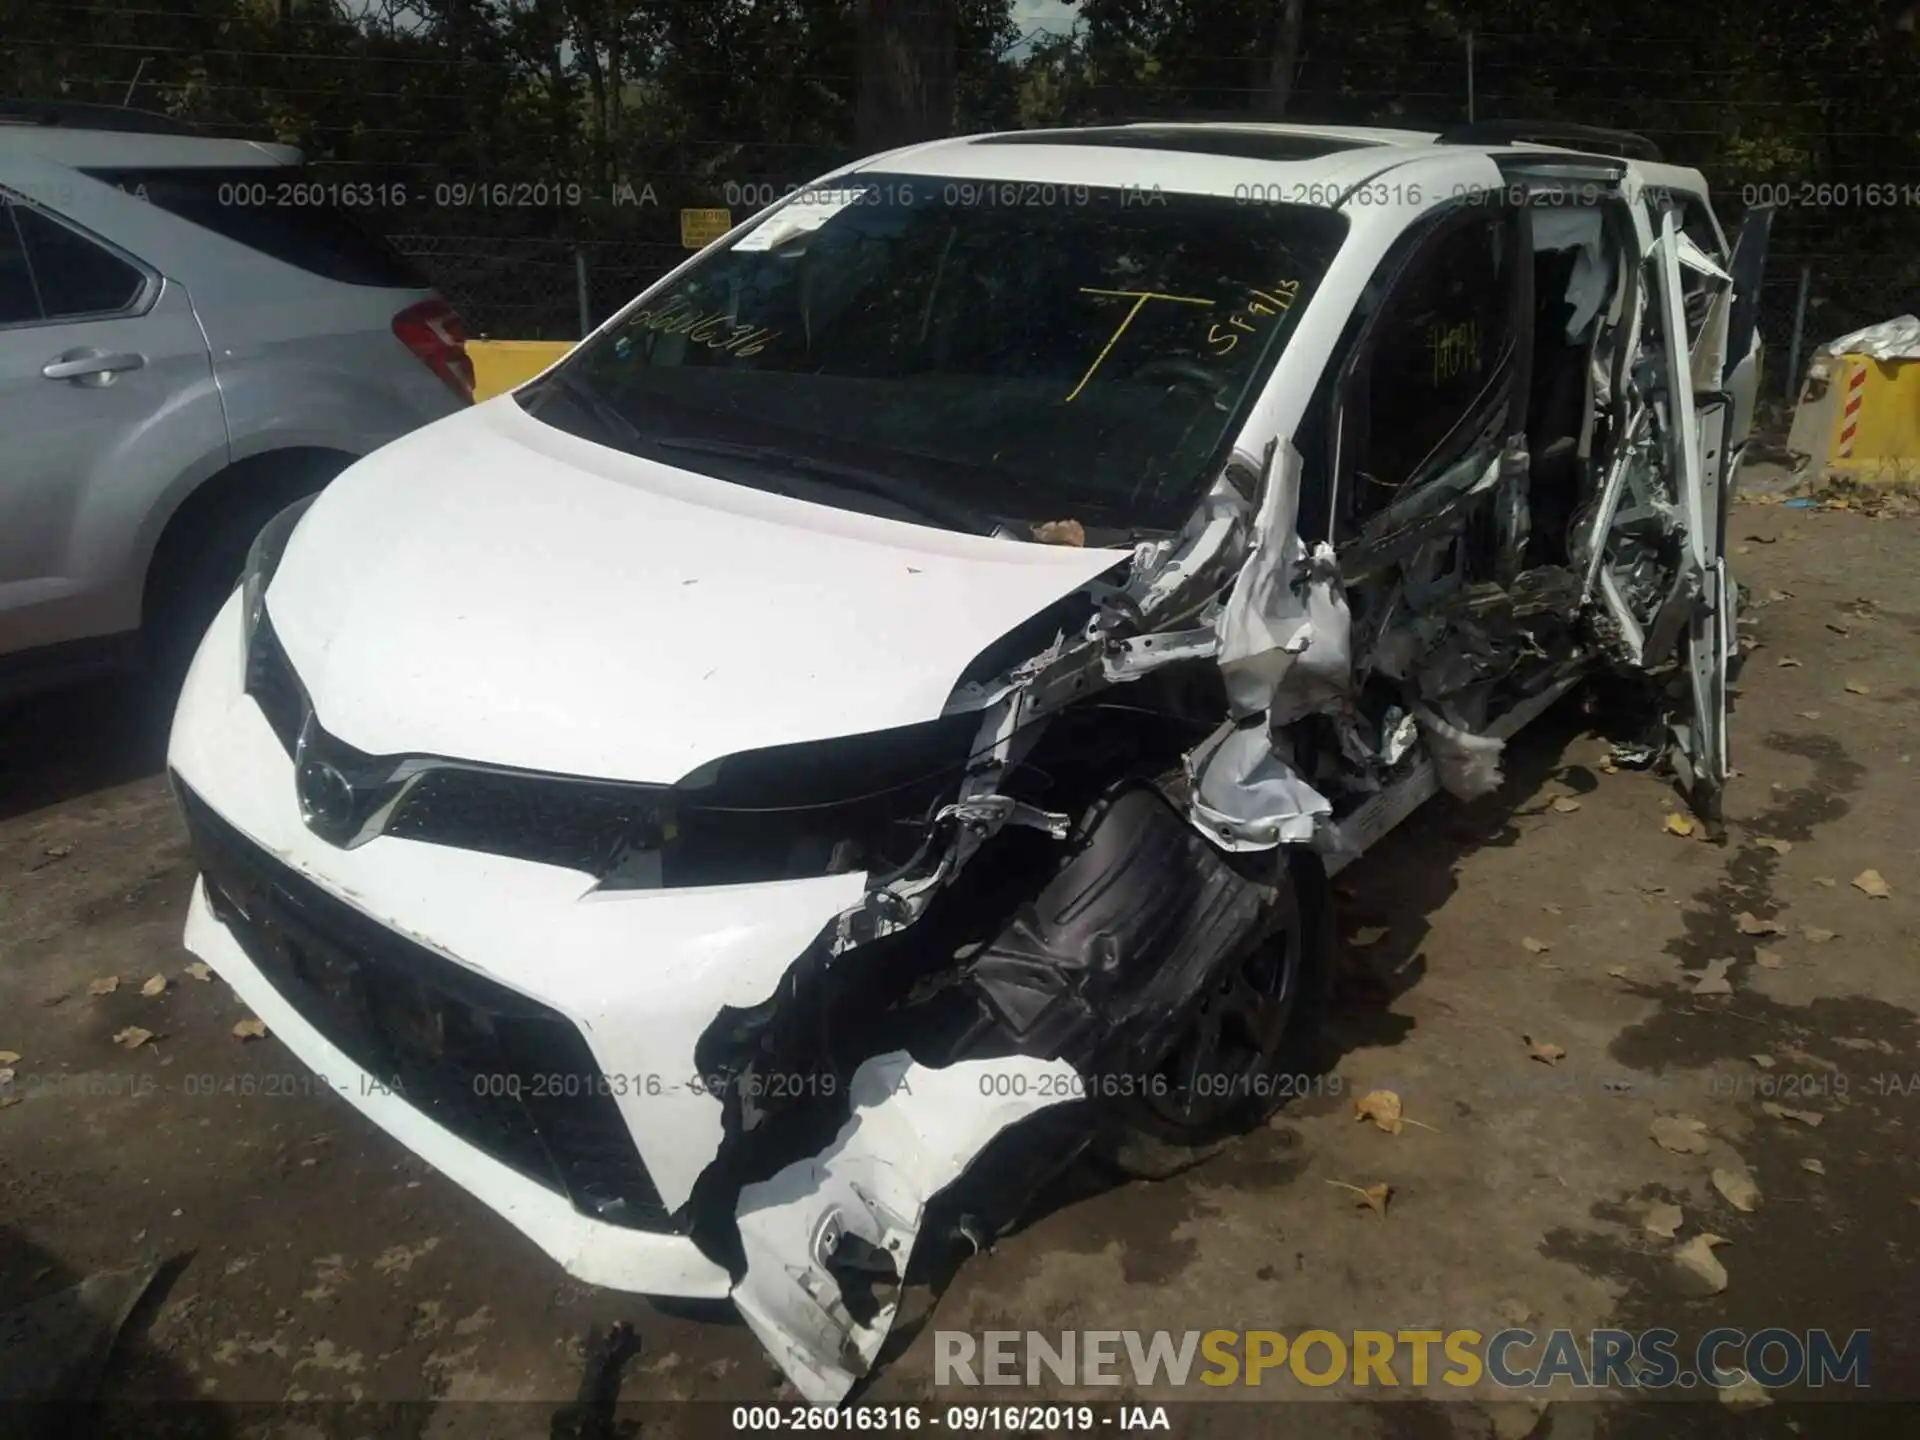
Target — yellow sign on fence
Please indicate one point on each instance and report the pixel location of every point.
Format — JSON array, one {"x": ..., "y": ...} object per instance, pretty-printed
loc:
[{"x": 700, "y": 228}]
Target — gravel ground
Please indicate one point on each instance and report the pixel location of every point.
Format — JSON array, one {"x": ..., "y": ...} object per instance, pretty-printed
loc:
[{"x": 313, "y": 1259}]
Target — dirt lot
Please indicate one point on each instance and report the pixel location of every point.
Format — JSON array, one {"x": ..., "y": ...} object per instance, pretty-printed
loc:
[{"x": 323, "y": 1262}]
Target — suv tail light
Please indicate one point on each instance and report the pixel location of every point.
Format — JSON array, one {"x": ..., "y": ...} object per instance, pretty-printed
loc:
[{"x": 433, "y": 331}]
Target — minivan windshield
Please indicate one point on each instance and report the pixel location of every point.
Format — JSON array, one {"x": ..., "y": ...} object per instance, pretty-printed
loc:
[{"x": 966, "y": 353}]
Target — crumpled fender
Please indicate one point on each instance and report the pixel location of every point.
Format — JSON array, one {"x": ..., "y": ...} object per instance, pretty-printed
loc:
[{"x": 913, "y": 1131}]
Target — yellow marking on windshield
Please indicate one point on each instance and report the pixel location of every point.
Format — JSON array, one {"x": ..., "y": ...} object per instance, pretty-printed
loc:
[{"x": 1140, "y": 299}]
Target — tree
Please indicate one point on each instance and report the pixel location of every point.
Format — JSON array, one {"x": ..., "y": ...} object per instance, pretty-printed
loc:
[{"x": 906, "y": 72}]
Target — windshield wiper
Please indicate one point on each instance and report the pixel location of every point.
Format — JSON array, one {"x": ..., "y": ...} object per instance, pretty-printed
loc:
[
  {"x": 622, "y": 432},
  {"x": 912, "y": 495}
]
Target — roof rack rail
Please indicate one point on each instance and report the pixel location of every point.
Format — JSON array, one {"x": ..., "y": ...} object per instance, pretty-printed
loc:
[
  {"x": 1551, "y": 132},
  {"x": 74, "y": 115}
]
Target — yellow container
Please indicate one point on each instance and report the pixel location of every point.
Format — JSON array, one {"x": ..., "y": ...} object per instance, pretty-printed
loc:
[
  {"x": 1859, "y": 418},
  {"x": 499, "y": 365}
]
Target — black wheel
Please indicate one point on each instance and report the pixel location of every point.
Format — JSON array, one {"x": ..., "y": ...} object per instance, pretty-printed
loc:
[{"x": 1250, "y": 1042}]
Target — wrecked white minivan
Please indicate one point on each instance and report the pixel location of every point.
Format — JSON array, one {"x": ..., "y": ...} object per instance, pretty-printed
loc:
[{"x": 874, "y": 723}]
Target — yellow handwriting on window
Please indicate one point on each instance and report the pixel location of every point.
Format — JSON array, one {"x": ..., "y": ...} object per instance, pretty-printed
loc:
[
  {"x": 715, "y": 329},
  {"x": 1454, "y": 349},
  {"x": 1256, "y": 308},
  {"x": 1140, "y": 299}
]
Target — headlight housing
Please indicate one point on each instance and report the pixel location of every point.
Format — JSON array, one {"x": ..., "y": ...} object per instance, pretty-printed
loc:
[{"x": 263, "y": 558}]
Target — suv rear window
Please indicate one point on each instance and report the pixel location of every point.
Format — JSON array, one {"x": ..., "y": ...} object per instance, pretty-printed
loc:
[{"x": 280, "y": 211}]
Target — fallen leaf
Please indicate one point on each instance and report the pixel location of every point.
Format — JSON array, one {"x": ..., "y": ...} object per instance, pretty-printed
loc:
[
  {"x": 1367, "y": 935},
  {"x": 1751, "y": 924},
  {"x": 1816, "y": 935},
  {"x": 1736, "y": 1187},
  {"x": 1565, "y": 804},
  {"x": 1825, "y": 882},
  {"x": 57, "y": 852},
  {"x": 1551, "y": 908},
  {"x": 1794, "y": 1055},
  {"x": 1546, "y": 1052},
  {"x": 1380, "y": 1106},
  {"x": 1061, "y": 532},
  {"x": 1769, "y": 959},
  {"x": 1618, "y": 972},
  {"x": 1779, "y": 847},
  {"x": 133, "y": 1037},
  {"x": 1808, "y": 714},
  {"x": 1678, "y": 824},
  {"x": 1787, "y": 662},
  {"x": 106, "y": 985},
  {"x": 200, "y": 971},
  {"x": 1869, "y": 882},
  {"x": 1663, "y": 1219},
  {"x": 1765, "y": 1062},
  {"x": 1746, "y": 1393},
  {"x": 1374, "y": 1197},
  {"x": 1838, "y": 628},
  {"x": 1809, "y": 1118},
  {"x": 1713, "y": 980},
  {"x": 1533, "y": 946},
  {"x": 1698, "y": 1262},
  {"x": 1854, "y": 687},
  {"x": 155, "y": 984},
  {"x": 250, "y": 1029},
  {"x": 1813, "y": 1167},
  {"x": 1681, "y": 1134}
]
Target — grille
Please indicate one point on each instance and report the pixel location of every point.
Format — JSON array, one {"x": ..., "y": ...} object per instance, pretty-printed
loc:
[
  {"x": 274, "y": 687},
  {"x": 505, "y": 1073}
]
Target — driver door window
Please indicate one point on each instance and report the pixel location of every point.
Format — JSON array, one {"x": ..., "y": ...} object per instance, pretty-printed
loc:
[{"x": 1437, "y": 364}]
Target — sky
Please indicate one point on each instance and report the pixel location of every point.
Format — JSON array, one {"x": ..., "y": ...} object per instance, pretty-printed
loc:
[{"x": 1054, "y": 15}]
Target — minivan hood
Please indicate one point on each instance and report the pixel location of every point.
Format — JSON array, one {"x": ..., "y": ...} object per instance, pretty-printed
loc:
[{"x": 492, "y": 588}]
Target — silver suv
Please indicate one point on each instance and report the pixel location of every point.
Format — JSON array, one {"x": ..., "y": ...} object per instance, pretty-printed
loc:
[{"x": 192, "y": 335}]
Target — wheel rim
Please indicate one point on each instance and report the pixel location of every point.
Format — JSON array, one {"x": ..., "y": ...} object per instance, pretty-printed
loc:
[{"x": 1234, "y": 1038}]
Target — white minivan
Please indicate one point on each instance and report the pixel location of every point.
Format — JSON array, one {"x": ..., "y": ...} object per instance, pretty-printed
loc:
[{"x": 874, "y": 723}]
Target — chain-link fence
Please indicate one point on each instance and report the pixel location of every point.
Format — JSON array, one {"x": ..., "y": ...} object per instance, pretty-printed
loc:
[{"x": 527, "y": 288}]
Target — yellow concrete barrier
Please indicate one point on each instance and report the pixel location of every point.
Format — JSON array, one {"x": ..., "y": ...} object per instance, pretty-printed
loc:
[
  {"x": 499, "y": 365},
  {"x": 1859, "y": 416}
]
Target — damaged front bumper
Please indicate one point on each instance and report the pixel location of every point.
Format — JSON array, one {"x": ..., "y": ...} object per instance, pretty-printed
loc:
[{"x": 533, "y": 1037}]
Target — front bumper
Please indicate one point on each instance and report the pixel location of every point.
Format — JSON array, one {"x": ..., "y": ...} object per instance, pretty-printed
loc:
[{"x": 628, "y": 979}]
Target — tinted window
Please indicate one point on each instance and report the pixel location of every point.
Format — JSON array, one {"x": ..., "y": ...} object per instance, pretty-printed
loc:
[
  {"x": 1443, "y": 337},
  {"x": 1086, "y": 359},
  {"x": 280, "y": 211},
  {"x": 74, "y": 276},
  {"x": 18, "y": 301}
]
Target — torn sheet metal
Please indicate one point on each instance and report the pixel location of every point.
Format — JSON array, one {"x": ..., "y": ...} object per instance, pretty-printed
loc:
[
  {"x": 1580, "y": 230},
  {"x": 912, "y": 1132},
  {"x": 1246, "y": 795},
  {"x": 1897, "y": 339},
  {"x": 1468, "y": 765}
]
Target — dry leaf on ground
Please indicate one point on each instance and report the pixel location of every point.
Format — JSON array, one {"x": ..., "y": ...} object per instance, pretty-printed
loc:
[
  {"x": 1544, "y": 1051},
  {"x": 1679, "y": 824},
  {"x": 1808, "y": 714},
  {"x": 1700, "y": 1265},
  {"x": 1619, "y": 972},
  {"x": 1787, "y": 662},
  {"x": 105, "y": 985},
  {"x": 133, "y": 1037},
  {"x": 1813, "y": 1167},
  {"x": 1374, "y": 1196},
  {"x": 1747, "y": 1394},
  {"x": 1565, "y": 804},
  {"x": 1751, "y": 924},
  {"x": 1533, "y": 946},
  {"x": 1781, "y": 1112},
  {"x": 1779, "y": 847},
  {"x": 1663, "y": 1219},
  {"x": 1870, "y": 882},
  {"x": 1713, "y": 980},
  {"x": 154, "y": 986},
  {"x": 1769, "y": 959},
  {"x": 1816, "y": 934},
  {"x": 1380, "y": 1106},
  {"x": 1825, "y": 882},
  {"x": 1765, "y": 1062},
  {"x": 200, "y": 971},
  {"x": 250, "y": 1029},
  {"x": 1736, "y": 1187},
  {"x": 1681, "y": 1134},
  {"x": 1854, "y": 687}
]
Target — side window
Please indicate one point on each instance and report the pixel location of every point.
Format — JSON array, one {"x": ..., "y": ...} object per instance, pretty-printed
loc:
[
  {"x": 18, "y": 301},
  {"x": 1445, "y": 333},
  {"x": 73, "y": 275}
]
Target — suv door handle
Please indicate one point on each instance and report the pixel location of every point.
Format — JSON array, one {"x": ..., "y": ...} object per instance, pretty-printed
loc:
[{"x": 95, "y": 365}]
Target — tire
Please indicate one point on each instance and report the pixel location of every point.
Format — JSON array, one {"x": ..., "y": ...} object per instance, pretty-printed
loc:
[
  {"x": 199, "y": 559},
  {"x": 1153, "y": 1136}
]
